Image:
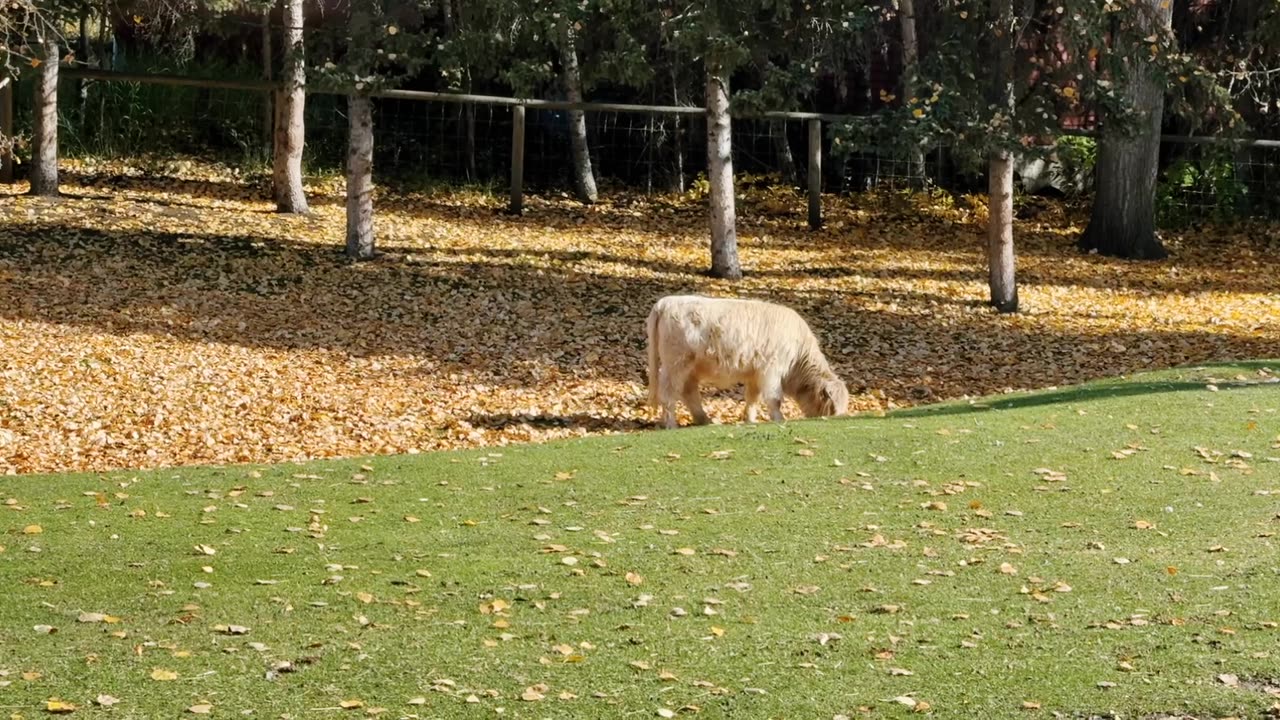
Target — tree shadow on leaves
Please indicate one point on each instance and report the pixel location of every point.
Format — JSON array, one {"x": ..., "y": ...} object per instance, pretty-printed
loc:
[{"x": 510, "y": 317}]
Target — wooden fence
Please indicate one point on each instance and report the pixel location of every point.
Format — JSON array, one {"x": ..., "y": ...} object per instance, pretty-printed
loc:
[{"x": 518, "y": 107}]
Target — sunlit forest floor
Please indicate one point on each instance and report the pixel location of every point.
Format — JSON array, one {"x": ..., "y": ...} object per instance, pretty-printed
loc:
[{"x": 171, "y": 317}]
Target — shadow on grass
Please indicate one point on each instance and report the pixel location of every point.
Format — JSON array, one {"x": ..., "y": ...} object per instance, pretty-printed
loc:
[
  {"x": 1268, "y": 377},
  {"x": 546, "y": 421}
]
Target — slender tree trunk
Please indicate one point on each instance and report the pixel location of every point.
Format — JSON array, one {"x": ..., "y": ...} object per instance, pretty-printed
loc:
[
  {"x": 104, "y": 42},
  {"x": 584, "y": 180},
  {"x": 452, "y": 20},
  {"x": 1000, "y": 260},
  {"x": 44, "y": 131},
  {"x": 290, "y": 110},
  {"x": 360, "y": 178},
  {"x": 446, "y": 15},
  {"x": 777, "y": 128},
  {"x": 458, "y": 19},
  {"x": 1123, "y": 219},
  {"x": 677, "y": 133},
  {"x": 469, "y": 141},
  {"x": 268, "y": 74},
  {"x": 724, "y": 234},
  {"x": 6, "y": 130},
  {"x": 105, "y": 62},
  {"x": 910, "y": 68},
  {"x": 83, "y": 56},
  {"x": 782, "y": 149}
]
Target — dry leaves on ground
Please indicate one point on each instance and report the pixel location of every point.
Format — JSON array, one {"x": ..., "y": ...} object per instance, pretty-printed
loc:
[{"x": 148, "y": 322}]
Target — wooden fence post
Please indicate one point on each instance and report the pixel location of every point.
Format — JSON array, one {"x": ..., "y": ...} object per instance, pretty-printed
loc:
[
  {"x": 517, "y": 159},
  {"x": 6, "y": 130},
  {"x": 815, "y": 174}
]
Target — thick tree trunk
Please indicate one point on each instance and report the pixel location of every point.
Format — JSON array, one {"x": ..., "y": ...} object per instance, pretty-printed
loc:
[
  {"x": 290, "y": 109},
  {"x": 584, "y": 181},
  {"x": 44, "y": 131},
  {"x": 724, "y": 234},
  {"x": 360, "y": 178},
  {"x": 1123, "y": 219},
  {"x": 910, "y": 67},
  {"x": 1000, "y": 261}
]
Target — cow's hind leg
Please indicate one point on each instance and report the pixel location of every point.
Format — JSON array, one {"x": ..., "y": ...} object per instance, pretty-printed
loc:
[
  {"x": 693, "y": 400},
  {"x": 667, "y": 398},
  {"x": 751, "y": 394}
]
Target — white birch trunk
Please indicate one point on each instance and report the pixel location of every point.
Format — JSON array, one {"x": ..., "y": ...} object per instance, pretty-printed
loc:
[
  {"x": 290, "y": 109},
  {"x": 360, "y": 178},
  {"x": 44, "y": 131},
  {"x": 724, "y": 234}
]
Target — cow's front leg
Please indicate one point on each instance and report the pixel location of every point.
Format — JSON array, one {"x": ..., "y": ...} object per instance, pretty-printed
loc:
[{"x": 772, "y": 390}]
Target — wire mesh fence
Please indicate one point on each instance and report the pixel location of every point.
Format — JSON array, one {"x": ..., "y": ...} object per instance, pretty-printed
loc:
[{"x": 420, "y": 142}]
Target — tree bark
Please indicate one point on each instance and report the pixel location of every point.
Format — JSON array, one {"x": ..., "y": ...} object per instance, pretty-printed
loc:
[
  {"x": 910, "y": 65},
  {"x": 44, "y": 131},
  {"x": 724, "y": 235},
  {"x": 1000, "y": 260},
  {"x": 290, "y": 109},
  {"x": 584, "y": 180},
  {"x": 1123, "y": 220},
  {"x": 777, "y": 128},
  {"x": 815, "y": 174},
  {"x": 268, "y": 74},
  {"x": 6, "y": 130},
  {"x": 782, "y": 149},
  {"x": 106, "y": 47},
  {"x": 85, "y": 58},
  {"x": 677, "y": 134},
  {"x": 360, "y": 178},
  {"x": 446, "y": 16},
  {"x": 456, "y": 20}
]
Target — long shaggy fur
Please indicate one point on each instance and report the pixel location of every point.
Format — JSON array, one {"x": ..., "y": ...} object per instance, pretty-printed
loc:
[{"x": 695, "y": 340}]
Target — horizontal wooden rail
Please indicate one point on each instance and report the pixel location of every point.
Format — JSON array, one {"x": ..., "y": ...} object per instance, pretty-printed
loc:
[
  {"x": 535, "y": 104},
  {"x": 78, "y": 73}
]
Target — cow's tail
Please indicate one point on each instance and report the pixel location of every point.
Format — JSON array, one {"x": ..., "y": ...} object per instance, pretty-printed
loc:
[{"x": 651, "y": 334}]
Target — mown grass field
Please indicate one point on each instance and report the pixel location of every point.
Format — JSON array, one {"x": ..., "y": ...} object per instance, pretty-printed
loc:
[{"x": 1077, "y": 552}]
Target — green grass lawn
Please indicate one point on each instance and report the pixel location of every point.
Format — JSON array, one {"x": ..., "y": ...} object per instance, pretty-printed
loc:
[{"x": 1104, "y": 549}]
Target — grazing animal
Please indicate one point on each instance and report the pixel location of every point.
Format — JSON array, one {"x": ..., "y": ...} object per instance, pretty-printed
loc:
[{"x": 722, "y": 341}]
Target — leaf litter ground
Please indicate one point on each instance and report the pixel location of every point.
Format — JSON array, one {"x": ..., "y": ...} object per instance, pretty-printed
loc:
[
  {"x": 156, "y": 321},
  {"x": 1098, "y": 551}
]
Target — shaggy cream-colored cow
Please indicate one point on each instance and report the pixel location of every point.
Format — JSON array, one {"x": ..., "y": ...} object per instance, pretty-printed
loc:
[{"x": 695, "y": 340}]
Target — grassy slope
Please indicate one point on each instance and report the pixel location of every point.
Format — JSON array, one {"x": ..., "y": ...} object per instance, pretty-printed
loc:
[{"x": 776, "y": 528}]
